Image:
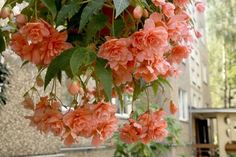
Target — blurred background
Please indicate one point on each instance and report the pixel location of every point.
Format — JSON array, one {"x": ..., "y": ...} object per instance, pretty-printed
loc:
[{"x": 205, "y": 93}]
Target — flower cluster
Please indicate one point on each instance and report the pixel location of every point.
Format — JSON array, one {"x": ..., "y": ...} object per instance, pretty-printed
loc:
[
  {"x": 150, "y": 126},
  {"x": 151, "y": 51},
  {"x": 141, "y": 51},
  {"x": 91, "y": 120},
  {"x": 39, "y": 43}
]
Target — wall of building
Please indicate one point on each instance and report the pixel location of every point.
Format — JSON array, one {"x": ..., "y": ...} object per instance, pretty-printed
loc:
[{"x": 16, "y": 136}]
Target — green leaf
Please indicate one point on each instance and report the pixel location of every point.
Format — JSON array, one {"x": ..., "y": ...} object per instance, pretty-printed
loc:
[
  {"x": 120, "y": 6},
  {"x": 82, "y": 56},
  {"x": 139, "y": 87},
  {"x": 67, "y": 11},
  {"x": 92, "y": 8},
  {"x": 96, "y": 24},
  {"x": 118, "y": 27},
  {"x": 60, "y": 63},
  {"x": 105, "y": 77},
  {"x": 51, "y": 5},
  {"x": 2, "y": 42}
]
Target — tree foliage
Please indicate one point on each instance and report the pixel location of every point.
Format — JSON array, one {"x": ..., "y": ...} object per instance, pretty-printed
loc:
[{"x": 221, "y": 41}]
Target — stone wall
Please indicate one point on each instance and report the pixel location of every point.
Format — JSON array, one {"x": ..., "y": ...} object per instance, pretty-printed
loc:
[{"x": 17, "y": 138}]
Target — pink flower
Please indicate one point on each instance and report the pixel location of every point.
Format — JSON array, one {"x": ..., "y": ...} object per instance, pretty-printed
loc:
[
  {"x": 104, "y": 130},
  {"x": 122, "y": 75},
  {"x": 181, "y": 3},
  {"x": 79, "y": 121},
  {"x": 150, "y": 126},
  {"x": 168, "y": 9},
  {"x": 137, "y": 40},
  {"x": 116, "y": 52},
  {"x": 156, "y": 38},
  {"x": 53, "y": 46},
  {"x": 200, "y": 6},
  {"x": 154, "y": 126},
  {"x": 130, "y": 133},
  {"x": 178, "y": 54},
  {"x": 35, "y": 32},
  {"x": 39, "y": 42},
  {"x": 138, "y": 12},
  {"x": 158, "y": 2},
  {"x": 107, "y": 123},
  {"x": 47, "y": 117},
  {"x": 103, "y": 111},
  {"x": 149, "y": 70}
]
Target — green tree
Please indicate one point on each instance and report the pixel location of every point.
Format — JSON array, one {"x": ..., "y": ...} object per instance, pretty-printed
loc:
[{"x": 221, "y": 24}]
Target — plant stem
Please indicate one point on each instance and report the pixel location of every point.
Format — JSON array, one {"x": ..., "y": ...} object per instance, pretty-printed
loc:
[{"x": 148, "y": 101}]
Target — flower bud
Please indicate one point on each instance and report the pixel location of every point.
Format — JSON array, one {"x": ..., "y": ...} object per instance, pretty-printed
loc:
[
  {"x": 39, "y": 81},
  {"x": 28, "y": 102},
  {"x": 21, "y": 20},
  {"x": 138, "y": 12},
  {"x": 145, "y": 13},
  {"x": 5, "y": 12},
  {"x": 200, "y": 6},
  {"x": 73, "y": 87},
  {"x": 173, "y": 108}
]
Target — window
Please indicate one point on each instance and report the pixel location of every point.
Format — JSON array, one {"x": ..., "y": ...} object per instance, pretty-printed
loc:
[
  {"x": 127, "y": 107},
  {"x": 204, "y": 71},
  {"x": 183, "y": 105}
]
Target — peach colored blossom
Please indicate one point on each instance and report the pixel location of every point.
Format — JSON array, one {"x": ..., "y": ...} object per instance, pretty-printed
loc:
[
  {"x": 200, "y": 6},
  {"x": 69, "y": 138},
  {"x": 137, "y": 40},
  {"x": 149, "y": 70},
  {"x": 130, "y": 133},
  {"x": 39, "y": 42},
  {"x": 79, "y": 121},
  {"x": 123, "y": 74},
  {"x": 158, "y": 2},
  {"x": 154, "y": 126},
  {"x": 104, "y": 129},
  {"x": 53, "y": 46},
  {"x": 181, "y": 3},
  {"x": 47, "y": 117},
  {"x": 138, "y": 12},
  {"x": 156, "y": 39},
  {"x": 35, "y": 32},
  {"x": 106, "y": 122},
  {"x": 173, "y": 108},
  {"x": 178, "y": 53},
  {"x": 168, "y": 9},
  {"x": 103, "y": 111},
  {"x": 116, "y": 52}
]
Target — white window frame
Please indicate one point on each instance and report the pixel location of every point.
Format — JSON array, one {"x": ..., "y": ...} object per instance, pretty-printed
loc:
[
  {"x": 183, "y": 105},
  {"x": 127, "y": 107}
]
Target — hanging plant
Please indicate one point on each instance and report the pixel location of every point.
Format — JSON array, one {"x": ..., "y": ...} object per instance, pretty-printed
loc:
[{"x": 114, "y": 45}]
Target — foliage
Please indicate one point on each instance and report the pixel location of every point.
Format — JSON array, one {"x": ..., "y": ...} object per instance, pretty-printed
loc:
[
  {"x": 106, "y": 49},
  {"x": 3, "y": 83},
  {"x": 222, "y": 51},
  {"x": 153, "y": 149}
]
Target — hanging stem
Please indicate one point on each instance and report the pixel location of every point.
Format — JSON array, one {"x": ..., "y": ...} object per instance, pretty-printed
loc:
[
  {"x": 148, "y": 101},
  {"x": 35, "y": 9}
]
